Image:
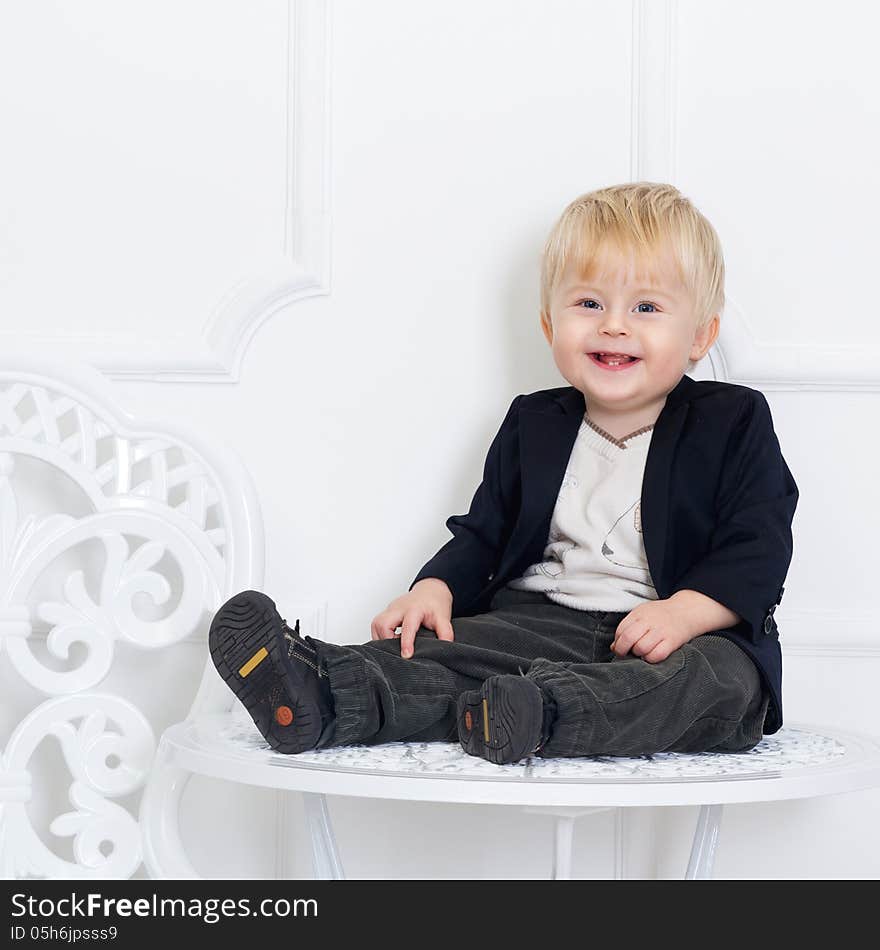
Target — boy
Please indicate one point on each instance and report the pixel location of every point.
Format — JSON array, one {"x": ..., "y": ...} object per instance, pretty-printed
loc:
[{"x": 611, "y": 589}]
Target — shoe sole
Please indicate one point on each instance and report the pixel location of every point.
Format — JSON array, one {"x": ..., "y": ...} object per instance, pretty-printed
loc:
[
  {"x": 249, "y": 650},
  {"x": 501, "y": 722}
]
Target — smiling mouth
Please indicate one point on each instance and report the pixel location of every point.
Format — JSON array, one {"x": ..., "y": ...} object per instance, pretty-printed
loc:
[{"x": 616, "y": 361}]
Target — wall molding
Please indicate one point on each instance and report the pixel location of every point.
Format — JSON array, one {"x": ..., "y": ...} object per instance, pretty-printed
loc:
[
  {"x": 739, "y": 355},
  {"x": 302, "y": 267}
]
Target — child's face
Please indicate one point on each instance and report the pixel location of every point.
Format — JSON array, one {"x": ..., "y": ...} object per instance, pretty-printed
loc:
[{"x": 618, "y": 312}]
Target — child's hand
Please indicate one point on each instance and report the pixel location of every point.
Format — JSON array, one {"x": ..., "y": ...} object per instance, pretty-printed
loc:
[
  {"x": 652, "y": 631},
  {"x": 428, "y": 604}
]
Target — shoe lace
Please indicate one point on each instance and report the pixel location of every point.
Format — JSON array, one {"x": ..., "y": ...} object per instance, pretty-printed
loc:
[{"x": 293, "y": 636}]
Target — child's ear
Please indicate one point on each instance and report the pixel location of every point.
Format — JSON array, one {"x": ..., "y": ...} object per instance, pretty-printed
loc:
[
  {"x": 547, "y": 326},
  {"x": 705, "y": 337}
]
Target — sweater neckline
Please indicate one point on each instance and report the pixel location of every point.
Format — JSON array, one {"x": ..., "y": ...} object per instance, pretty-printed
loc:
[{"x": 620, "y": 443}]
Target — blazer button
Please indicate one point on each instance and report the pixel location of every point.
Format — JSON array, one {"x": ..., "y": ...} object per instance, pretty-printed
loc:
[{"x": 768, "y": 624}]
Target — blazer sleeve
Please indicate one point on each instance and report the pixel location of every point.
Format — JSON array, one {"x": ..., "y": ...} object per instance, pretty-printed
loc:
[
  {"x": 468, "y": 561},
  {"x": 750, "y": 547}
]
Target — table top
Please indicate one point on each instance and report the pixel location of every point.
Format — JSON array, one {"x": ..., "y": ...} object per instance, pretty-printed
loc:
[{"x": 799, "y": 761}]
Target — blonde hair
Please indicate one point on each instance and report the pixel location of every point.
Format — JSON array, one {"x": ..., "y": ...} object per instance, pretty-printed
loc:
[{"x": 649, "y": 220}]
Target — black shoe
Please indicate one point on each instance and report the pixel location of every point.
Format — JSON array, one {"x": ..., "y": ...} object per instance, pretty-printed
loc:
[
  {"x": 505, "y": 720},
  {"x": 274, "y": 672}
]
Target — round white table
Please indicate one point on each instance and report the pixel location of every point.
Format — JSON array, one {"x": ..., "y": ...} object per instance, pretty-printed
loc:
[{"x": 799, "y": 761}]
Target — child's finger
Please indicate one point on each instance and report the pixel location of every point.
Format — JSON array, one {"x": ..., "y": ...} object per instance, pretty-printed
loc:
[
  {"x": 408, "y": 634},
  {"x": 384, "y": 625},
  {"x": 444, "y": 630}
]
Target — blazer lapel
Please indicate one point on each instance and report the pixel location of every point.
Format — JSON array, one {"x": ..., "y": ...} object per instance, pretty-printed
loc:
[
  {"x": 655, "y": 482},
  {"x": 547, "y": 437}
]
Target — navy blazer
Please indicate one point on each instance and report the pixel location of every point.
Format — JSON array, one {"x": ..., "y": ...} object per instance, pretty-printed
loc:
[{"x": 717, "y": 505}]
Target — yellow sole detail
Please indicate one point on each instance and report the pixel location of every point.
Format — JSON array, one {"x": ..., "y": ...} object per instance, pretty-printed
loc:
[
  {"x": 253, "y": 662},
  {"x": 486, "y": 721}
]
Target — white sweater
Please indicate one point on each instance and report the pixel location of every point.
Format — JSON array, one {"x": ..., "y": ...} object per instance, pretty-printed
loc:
[{"x": 595, "y": 555}]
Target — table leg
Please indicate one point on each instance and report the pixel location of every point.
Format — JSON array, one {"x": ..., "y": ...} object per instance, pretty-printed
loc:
[
  {"x": 562, "y": 849},
  {"x": 705, "y": 843},
  {"x": 563, "y": 832},
  {"x": 325, "y": 857}
]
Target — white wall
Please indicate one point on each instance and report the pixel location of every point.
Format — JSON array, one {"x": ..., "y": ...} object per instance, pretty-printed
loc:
[{"x": 355, "y": 331}]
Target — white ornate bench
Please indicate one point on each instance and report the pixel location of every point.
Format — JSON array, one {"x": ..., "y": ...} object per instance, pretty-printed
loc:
[{"x": 797, "y": 762}]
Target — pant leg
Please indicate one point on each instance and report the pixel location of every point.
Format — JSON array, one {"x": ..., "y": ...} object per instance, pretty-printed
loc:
[
  {"x": 706, "y": 696},
  {"x": 381, "y": 697}
]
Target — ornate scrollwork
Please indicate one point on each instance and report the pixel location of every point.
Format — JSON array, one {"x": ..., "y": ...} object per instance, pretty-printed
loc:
[
  {"x": 144, "y": 565},
  {"x": 95, "y": 821}
]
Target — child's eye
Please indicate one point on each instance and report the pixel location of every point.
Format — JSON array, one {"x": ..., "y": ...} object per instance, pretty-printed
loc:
[{"x": 646, "y": 303}]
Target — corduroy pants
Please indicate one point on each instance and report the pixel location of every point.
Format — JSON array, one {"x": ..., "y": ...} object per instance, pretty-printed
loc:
[{"x": 706, "y": 696}]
